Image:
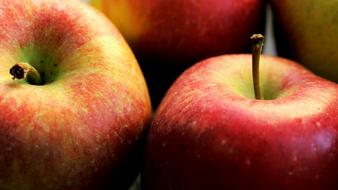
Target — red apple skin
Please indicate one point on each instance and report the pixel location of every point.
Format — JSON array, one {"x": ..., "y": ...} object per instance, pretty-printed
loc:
[
  {"x": 207, "y": 136},
  {"x": 83, "y": 129},
  {"x": 168, "y": 36},
  {"x": 189, "y": 29}
]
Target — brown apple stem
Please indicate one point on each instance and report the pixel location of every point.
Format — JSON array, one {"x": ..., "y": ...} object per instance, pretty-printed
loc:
[
  {"x": 26, "y": 71},
  {"x": 257, "y": 46}
]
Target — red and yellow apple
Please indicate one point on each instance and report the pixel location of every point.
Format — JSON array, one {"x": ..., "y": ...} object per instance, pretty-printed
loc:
[
  {"x": 79, "y": 127},
  {"x": 210, "y": 132},
  {"x": 167, "y": 36}
]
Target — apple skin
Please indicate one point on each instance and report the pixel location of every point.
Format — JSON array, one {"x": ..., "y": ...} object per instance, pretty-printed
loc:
[
  {"x": 168, "y": 36},
  {"x": 82, "y": 129},
  {"x": 308, "y": 33},
  {"x": 210, "y": 133}
]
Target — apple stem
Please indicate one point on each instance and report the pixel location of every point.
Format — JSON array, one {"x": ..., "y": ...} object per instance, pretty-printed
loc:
[
  {"x": 257, "y": 46},
  {"x": 26, "y": 71}
]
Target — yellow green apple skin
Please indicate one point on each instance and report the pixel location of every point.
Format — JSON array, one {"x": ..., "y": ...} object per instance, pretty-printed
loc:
[
  {"x": 210, "y": 132},
  {"x": 307, "y": 31},
  {"x": 80, "y": 129},
  {"x": 167, "y": 36}
]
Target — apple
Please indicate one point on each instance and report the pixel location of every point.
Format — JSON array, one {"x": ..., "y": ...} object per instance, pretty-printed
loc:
[
  {"x": 307, "y": 31},
  {"x": 168, "y": 36},
  {"x": 77, "y": 116},
  {"x": 211, "y": 131}
]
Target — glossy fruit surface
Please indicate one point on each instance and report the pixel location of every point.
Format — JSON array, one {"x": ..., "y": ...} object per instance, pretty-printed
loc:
[
  {"x": 80, "y": 128},
  {"x": 210, "y": 133}
]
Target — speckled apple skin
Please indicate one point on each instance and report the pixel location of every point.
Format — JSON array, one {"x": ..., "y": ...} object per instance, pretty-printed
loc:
[
  {"x": 81, "y": 130},
  {"x": 210, "y": 133}
]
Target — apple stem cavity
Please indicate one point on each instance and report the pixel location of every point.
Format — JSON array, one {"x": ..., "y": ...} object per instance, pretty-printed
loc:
[
  {"x": 26, "y": 71},
  {"x": 257, "y": 46}
]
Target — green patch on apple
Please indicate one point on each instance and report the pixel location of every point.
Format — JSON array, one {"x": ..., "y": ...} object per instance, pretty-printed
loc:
[
  {"x": 242, "y": 84},
  {"x": 43, "y": 60}
]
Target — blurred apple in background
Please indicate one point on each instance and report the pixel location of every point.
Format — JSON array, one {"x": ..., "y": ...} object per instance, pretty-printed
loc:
[
  {"x": 210, "y": 132},
  {"x": 76, "y": 118},
  {"x": 307, "y": 31},
  {"x": 170, "y": 35}
]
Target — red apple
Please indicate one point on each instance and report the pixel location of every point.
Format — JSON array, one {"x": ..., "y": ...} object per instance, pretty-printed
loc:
[
  {"x": 210, "y": 132},
  {"x": 170, "y": 35},
  {"x": 76, "y": 120}
]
